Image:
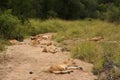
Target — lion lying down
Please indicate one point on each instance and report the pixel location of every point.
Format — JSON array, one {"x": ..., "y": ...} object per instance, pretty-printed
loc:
[{"x": 65, "y": 67}]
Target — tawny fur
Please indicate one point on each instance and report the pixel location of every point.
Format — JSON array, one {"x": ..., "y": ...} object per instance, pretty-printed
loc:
[
  {"x": 65, "y": 67},
  {"x": 36, "y": 39},
  {"x": 14, "y": 41},
  {"x": 96, "y": 38},
  {"x": 50, "y": 49},
  {"x": 47, "y": 43},
  {"x": 36, "y": 42},
  {"x": 45, "y": 37}
]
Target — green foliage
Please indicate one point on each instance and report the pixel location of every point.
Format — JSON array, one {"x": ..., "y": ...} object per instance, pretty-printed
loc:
[
  {"x": 10, "y": 27},
  {"x": 113, "y": 14},
  {"x": 21, "y": 8},
  {"x": 3, "y": 4},
  {"x": 72, "y": 9}
]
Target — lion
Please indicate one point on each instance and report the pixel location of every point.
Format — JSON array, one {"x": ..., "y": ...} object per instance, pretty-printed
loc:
[
  {"x": 50, "y": 49},
  {"x": 36, "y": 42},
  {"x": 99, "y": 38},
  {"x": 14, "y": 41},
  {"x": 64, "y": 67}
]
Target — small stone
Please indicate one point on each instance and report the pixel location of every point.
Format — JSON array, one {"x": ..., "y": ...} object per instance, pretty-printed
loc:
[{"x": 30, "y": 72}]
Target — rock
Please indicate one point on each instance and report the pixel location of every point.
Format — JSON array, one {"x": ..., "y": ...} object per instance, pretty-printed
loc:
[
  {"x": 44, "y": 49},
  {"x": 30, "y": 72}
]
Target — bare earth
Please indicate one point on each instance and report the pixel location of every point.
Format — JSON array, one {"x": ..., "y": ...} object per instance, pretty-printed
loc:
[{"x": 30, "y": 63}]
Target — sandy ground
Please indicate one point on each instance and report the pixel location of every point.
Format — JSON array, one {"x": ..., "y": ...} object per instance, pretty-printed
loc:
[{"x": 27, "y": 62}]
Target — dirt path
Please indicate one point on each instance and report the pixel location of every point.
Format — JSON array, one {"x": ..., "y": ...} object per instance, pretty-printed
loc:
[{"x": 29, "y": 63}]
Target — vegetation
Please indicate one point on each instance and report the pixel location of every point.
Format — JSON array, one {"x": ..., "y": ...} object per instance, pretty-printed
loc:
[
  {"x": 2, "y": 44},
  {"x": 89, "y": 51},
  {"x": 7, "y": 24},
  {"x": 50, "y": 25},
  {"x": 78, "y": 20},
  {"x": 82, "y": 30},
  {"x": 64, "y": 9}
]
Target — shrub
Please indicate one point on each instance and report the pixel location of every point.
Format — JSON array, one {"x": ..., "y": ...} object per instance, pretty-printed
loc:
[
  {"x": 113, "y": 14},
  {"x": 10, "y": 26}
]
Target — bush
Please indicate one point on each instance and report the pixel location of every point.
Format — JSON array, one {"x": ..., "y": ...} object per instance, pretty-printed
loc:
[
  {"x": 113, "y": 14},
  {"x": 10, "y": 27}
]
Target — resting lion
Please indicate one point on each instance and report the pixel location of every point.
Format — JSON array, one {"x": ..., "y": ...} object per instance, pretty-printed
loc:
[{"x": 65, "y": 67}]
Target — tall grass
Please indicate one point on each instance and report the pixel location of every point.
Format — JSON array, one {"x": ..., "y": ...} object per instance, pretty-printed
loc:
[
  {"x": 76, "y": 29},
  {"x": 87, "y": 29},
  {"x": 95, "y": 53},
  {"x": 46, "y": 26},
  {"x": 3, "y": 44}
]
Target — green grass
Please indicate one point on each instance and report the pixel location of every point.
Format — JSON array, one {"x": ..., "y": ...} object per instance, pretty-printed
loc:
[
  {"x": 76, "y": 29},
  {"x": 87, "y": 29},
  {"x": 53, "y": 25},
  {"x": 3, "y": 43},
  {"x": 94, "y": 52}
]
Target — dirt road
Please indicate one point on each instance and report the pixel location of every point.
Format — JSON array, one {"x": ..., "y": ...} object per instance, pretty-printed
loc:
[{"x": 30, "y": 63}]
